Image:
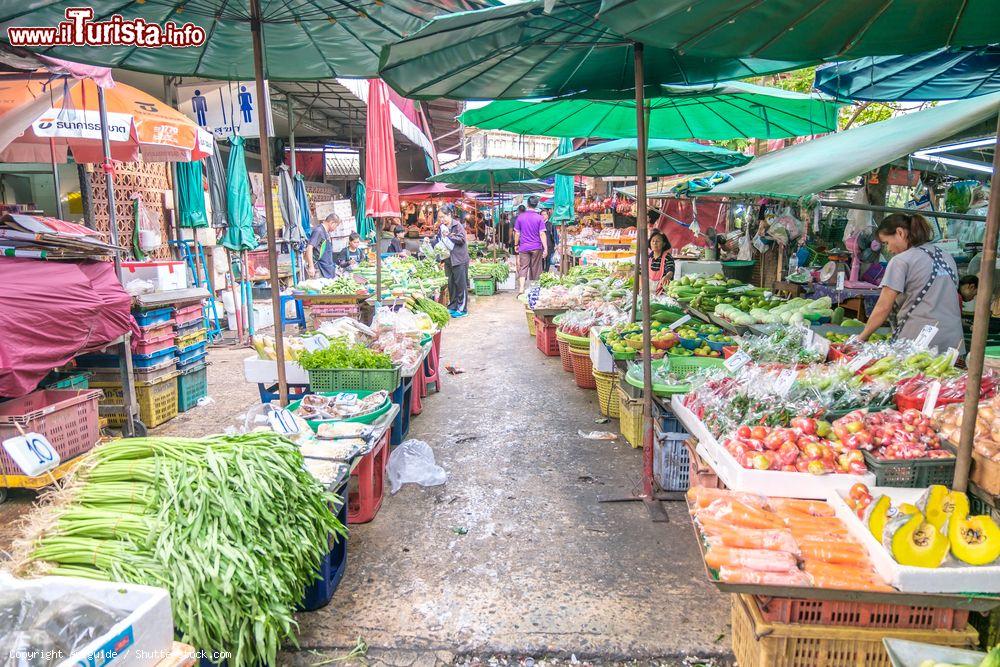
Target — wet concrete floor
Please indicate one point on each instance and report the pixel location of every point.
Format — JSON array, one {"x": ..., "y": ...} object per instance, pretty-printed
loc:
[{"x": 513, "y": 561}]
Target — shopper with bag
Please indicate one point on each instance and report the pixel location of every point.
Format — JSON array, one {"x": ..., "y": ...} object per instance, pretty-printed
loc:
[
  {"x": 531, "y": 243},
  {"x": 451, "y": 236}
]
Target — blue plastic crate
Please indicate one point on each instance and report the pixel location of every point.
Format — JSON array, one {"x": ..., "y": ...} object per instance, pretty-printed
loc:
[
  {"x": 402, "y": 396},
  {"x": 667, "y": 421},
  {"x": 187, "y": 354},
  {"x": 153, "y": 317},
  {"x": 139, "y": 361},
  {"x": 192, "y": 360},
  {"x": 331, "y": 570},
  {"x": 671, "y": 461},
  {"x": 152, "y": 359}
]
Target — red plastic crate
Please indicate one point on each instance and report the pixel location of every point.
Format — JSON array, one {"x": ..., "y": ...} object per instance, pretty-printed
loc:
[
  {"x": 68, "y": 419},
  {"x": 367, "y": 486},
  {"x": 860, "y": 614},
  {"x": 545, "y": 338},
  {"x": 151, "y": 345},
  {"x": 156, "y": 331}
]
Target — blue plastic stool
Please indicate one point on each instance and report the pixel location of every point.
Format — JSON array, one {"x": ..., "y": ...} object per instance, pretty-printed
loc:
[
  {"x": 295, "y": 392},
  {"x": 331, "y": 569},
  {"x": 300, "y": 312},
  {"x": 401, "y": 425}
]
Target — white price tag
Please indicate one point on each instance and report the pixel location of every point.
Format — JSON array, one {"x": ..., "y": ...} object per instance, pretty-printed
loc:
[
  {"x": 952, "y": 356},
  {"x": 858, "y": 362},
  {"x": 785, "y": 381},
  {"x": 820, "y": 345},
  {"x": 840, "y": 281},
  {"x": 315, "y": 343},
  {"x": 737, "y": 361},
  {"x": 32, "y": 453},
  {"x": 678, "y": 323},
  {"x": 926, "y": 335},
  {"x": 282, "y": 422},
  {"x": 933, "y": 389},
  {"x": 807, "y": 337}
]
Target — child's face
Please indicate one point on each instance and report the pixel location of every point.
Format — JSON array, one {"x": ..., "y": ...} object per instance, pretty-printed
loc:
[{"x": 968, "y": 292}]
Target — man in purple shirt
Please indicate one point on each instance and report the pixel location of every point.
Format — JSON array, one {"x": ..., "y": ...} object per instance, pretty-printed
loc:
[{"x": 531, "y": 243}]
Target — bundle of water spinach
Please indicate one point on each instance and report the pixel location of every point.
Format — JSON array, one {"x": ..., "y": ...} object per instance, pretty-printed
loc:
[{"x": 232, "y": 526}]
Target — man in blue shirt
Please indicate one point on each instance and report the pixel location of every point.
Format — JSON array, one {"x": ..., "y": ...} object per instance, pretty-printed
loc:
[{"x": 319, "y": 251}]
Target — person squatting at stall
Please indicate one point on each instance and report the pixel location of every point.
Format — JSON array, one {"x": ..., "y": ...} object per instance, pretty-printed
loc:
[
  {"x": 451, "y": 236},
  {"x": 919, "y": 285}
]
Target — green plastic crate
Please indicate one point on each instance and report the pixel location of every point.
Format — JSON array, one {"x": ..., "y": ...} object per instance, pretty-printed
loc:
[
  {"x": 71, "y": 380},
  {"x": 687, "y": 365},
  {"x": 191, "y": 386},
  {"x": 350, "y": 379},
  {"x": 911, "y": 473},
  {"x": 484, "y": 286}
]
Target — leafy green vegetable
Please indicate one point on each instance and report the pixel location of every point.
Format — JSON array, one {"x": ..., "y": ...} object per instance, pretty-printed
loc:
[
  {"x": 499, "y": 271},
  {"x": 438, "y": 313},
  {"x": 341, "y": 354}
]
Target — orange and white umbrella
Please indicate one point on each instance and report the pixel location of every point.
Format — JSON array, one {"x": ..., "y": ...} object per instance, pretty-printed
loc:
[{"x": 137, "y": 123}]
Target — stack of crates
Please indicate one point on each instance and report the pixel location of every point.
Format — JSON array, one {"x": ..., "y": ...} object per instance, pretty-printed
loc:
[
  {"x": 154, "y": 365},
  {"x": 192, "y": 350}
]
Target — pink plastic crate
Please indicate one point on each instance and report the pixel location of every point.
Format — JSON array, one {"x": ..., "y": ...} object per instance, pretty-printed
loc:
[
  {"x": 67, "y": 418},
  {"x": 149, "y": 346},
  {"x": 187, "y": 314}
]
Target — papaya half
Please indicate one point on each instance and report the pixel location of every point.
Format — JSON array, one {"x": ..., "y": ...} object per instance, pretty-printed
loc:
[
  {"x": 939, "y": 504},
  {"x": 914, "y": 542},
  {"x": 975, "y": 540},
  {"x": 878, "y": 516}
]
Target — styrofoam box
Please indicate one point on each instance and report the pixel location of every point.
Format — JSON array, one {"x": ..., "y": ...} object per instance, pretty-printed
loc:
[
  {"x": 600, "y": 356},
  {"x": 687, "y": 267},
  {"x": 142, "y": 639},
  {"x": 164, "y": 275},
  {"x": 773, "y": 483},
  {"x": 260, "y": 370},
  {"x": 952, "y": 577},
  {"x": 263, "y": 317}
]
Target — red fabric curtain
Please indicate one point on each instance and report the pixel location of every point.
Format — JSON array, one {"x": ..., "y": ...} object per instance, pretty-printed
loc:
[
  {"x": 381, "y": 186},
  {"x": 710, "y": 214}
]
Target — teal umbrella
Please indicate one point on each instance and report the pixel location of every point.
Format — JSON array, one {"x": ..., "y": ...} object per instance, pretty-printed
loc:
[
  {"x": 721, "y": 111},
  {"x": 521, "y": 50},
  {"x": 815, "y": 30},
  {"x": 304, "y": 40},
  {"x": 665, "y": 157},
  {"x": 239, "y": 234},
  {"x": 191, "y": 195},
  {"x": 562, "y": 202},
  {"x": 526, "y": 187},
  {"x": 488, "y": 172}
]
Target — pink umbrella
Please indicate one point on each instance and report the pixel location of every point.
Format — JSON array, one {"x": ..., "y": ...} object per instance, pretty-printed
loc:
[
  {"x": 381, "y": 188},
  {"x": 425, "y": 191}
]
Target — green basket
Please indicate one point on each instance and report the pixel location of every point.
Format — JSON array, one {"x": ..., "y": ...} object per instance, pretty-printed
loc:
[
  {"x": 679, "y": 365},
  {"x": 369, "y": 418},
  {"x": 687, "y": 365},
  {"x": 911, "y": 473},
  {"x": 484, "y": 286},
  {"x": 354, "y": 379},
  {"x": 579, "y": 342},
  {"x": 192, "y": 385}
]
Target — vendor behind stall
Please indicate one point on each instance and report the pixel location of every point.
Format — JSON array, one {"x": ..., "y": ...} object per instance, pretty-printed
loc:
[
  {"x": 351, "y": 256},
  {"x": 919, "y": 285},
  {"x": 398, "y": 242},
  {"x": 661, "y": 264},
  {"x": 319, "y": 251}
]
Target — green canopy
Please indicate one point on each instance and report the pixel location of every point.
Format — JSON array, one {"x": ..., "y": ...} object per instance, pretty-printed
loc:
[
  {"x": 722, "y": 111},
  {"x": 191, "y": 195},
  {"x": 664, "y": 157},
  {"x": 525, "y": 187},
  {"x": 486, "y": 172},
  {"x": 239, "y": 234},
  {"x": 809, "y": 168},
  {"x": 522, "y": 51},
  {"x": 565, "y": 194},
  {"x": 304, "y": 40},
  {"x": 803, "y": 30}
]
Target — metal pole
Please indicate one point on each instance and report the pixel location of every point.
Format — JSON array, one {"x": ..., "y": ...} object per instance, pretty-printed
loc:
[
  {"x": 642, "y": 223},
  {"x": 125, "y": 352},
  {"x": 892, "y": 209},
  {"x": 265, "y": 164},
  {"x": 55, "y": 178},
  {"x": 980, "y": 327}
]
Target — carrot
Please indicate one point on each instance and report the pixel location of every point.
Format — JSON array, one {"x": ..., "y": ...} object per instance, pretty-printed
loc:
[
  {"x": 703, "y": 496},
  {"x": 829, "y": 553},
  {"x": 738, "y": 575},
  {"x": 836, "y": 571},
  {"x": 807, "y": 507},
  {"x": 753, "y": 559},
  {"x": 848, "y": 583},
  {"x": 749, "y": 538}
]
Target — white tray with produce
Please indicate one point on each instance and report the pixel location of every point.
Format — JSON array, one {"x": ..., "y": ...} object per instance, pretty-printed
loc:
[
  {"x": 265, "y": 371},
  {"x": 142, "y": 637},
  {"x": 904, "y": 653},
  {"x": 950, "y": 577},
  {"x": 767, "y": 482}
]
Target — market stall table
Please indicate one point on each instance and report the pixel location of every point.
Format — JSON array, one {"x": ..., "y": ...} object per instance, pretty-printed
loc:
[{"x": 861, "y": 301}]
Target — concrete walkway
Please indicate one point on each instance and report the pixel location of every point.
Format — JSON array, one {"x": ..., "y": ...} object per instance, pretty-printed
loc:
[{"x": 514, "y": 556}]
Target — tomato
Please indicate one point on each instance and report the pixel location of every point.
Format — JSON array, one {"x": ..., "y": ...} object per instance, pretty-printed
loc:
[
  {"x": 744, "y": 432},
  {"x": 758, "y": 432},
  {"x": 859, "y": 490},
  {"x": 774, "y": 440},
  {"x": 805, "y": 425}
]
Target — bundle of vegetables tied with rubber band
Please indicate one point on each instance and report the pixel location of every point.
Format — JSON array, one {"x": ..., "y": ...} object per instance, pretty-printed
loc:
[{"x": 234, "y": 527}]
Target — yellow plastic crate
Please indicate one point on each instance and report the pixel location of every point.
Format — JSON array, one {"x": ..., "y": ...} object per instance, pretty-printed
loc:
[
  {"x": 530, "y": 314},
  {"x": 607, "y": 394},
  {"x": 157, "y": 400},
  {"x": 199, "y": 336},
  {"x": 757, "y": 643},
  {"x": 630, "y": 418}
]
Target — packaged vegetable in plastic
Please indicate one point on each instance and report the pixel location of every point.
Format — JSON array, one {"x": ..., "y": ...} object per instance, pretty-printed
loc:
[
  {"x": 413, "y": 462},
  {"x": 76, "y": 620}
]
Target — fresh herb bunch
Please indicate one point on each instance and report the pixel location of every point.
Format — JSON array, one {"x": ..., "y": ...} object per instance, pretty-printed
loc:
[
  {"x": 341, "y": 354},
  {"x": 438, "y": 313}
]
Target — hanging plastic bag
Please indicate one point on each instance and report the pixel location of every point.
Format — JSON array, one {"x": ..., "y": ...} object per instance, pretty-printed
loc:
[
  {"x": 147, "y": 227},
  {"x": 746, "y": 248},
  {"x": 413, "y": 462}
]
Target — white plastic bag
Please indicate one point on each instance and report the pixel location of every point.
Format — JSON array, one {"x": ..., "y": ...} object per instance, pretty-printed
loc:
[{"x": 413, "y": 461}]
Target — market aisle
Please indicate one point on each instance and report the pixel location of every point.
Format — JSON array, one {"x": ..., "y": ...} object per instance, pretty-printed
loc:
[{"x": 514, "y": 555}]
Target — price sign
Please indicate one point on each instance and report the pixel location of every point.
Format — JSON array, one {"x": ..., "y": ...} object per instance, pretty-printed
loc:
[
  {"x": 840, "y": 281},
  {"x": 926, "y": 335},
  {"x": 807, "y": 337},
  {"x": 952, "y": 356},
  {"x": 785, "y": 381},
  {"x": 820, "y": 345},
  {"x": 282, "y": 422},
  {"x": 676, "y": 324},
  {"x": 33, "y": 453},
  {"x": 737, "y": 361},
  {"x": 858, "y": 362},
  {"x": 933, "y": 390}
]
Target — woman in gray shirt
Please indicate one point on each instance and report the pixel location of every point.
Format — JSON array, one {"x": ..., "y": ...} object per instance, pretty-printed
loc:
[{"x": 920, "y": 285}]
